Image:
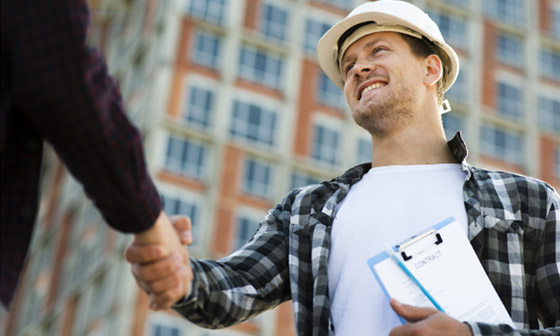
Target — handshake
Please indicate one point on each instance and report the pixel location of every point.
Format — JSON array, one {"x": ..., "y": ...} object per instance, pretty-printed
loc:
[{"x": 160, "y": 260}]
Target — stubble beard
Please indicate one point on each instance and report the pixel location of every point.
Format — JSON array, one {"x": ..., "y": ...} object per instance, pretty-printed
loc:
[{"x": 380, "y": 117}]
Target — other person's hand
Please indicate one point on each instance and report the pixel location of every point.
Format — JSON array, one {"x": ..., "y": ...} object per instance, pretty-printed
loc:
[{"x": 160, "y": 261}]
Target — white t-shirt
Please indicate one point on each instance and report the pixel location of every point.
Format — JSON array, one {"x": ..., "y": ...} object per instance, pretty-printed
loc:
[{"x": 388, "y": 205}]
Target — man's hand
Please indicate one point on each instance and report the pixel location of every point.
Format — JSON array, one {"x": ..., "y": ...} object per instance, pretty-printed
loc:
[
  {"x": 160, "y": 263},
  {"x": 426, "y": 321}
]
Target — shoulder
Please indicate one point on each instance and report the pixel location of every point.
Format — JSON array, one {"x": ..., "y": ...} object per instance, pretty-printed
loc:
[
  {"x": 499, "y": 189},
  {"x": 310, "y": 197},
  {"x": 510, "y": 181},
  {"x": 321, "y": 197}
]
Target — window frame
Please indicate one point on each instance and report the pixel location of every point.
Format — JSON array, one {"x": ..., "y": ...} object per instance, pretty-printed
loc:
[
  {"x": 181, "y": 165},
  {"x": 199, "y": 105},
  {"x": 214, "y": 11},
  {"x": 258, "y": 177},
  {"x": 272, "y": 73},
  {"x": 314, "y": 29},
  {"x": 326, "y": 153},
  {"x": 328, "y": 93},
  {"x": 454, "y": 29},
  {"x": 506, "y": 10},
  {"x": 509, "y": 99},
  {"x": 204, "y": 57},
  {"x": 251, "y": 216},
  {"x": 491, "y": 149},
  {"x": 546, "y": 113},
  {"x": 513, "y": 53},
  {"x": 549, "y": 63},
  {"x": 241, "y": 128},
  {"x": 268, "y": 27}
]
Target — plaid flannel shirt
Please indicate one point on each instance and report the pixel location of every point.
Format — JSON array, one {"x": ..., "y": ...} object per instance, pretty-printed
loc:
[{"x": 513, "y": 227}]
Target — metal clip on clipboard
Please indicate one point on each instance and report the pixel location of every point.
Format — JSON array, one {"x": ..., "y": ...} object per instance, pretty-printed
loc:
[{"x": 416, "y": 239}]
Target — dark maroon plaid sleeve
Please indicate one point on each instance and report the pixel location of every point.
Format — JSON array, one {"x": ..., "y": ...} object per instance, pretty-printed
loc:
[{"x": 56, "y": 89}]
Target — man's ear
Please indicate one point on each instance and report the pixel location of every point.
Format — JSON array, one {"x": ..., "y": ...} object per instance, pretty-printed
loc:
[{"x": 434, "y": 70}]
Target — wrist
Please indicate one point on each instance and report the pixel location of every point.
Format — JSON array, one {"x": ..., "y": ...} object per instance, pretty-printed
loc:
[{"x": 154, "y": 233}]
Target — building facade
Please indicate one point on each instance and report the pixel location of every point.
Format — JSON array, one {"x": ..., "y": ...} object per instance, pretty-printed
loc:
[{"x": 236, "y": 113}]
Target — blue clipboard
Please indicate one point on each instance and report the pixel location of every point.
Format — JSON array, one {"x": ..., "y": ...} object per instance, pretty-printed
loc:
[{"x": 449, "y": 275}]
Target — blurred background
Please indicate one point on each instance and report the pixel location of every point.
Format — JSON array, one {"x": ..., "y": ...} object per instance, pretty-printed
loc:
[{"x": 235, "y": 112}]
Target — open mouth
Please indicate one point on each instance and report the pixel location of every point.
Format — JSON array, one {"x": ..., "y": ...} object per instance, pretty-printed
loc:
[{"x": 371, "y": 87}]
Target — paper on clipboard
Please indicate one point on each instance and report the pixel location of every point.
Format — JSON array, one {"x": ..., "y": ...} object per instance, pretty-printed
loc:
[{"x": 449, "y": 270}]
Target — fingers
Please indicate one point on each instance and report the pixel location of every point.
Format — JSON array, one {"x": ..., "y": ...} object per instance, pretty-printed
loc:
[
  {"x": 163, "y": 268},
  {"x": 166, "y": 280},
  {"x": 174, "y": 281},
  {"x": 144, "y": 253},
  {"x": 426, "y": 321},
  {"x": 165, "y": 292},
  {"x": 160, "y": 261},
  {"x": 411, "y": 313},
  {"x": 183, "y": 227}
]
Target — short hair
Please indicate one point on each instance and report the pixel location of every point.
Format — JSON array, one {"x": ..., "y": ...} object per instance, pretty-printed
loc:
[{"x": 423, "y": 48}]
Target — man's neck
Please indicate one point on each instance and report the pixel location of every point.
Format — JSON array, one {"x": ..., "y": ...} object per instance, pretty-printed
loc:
[{"x": 410, "y": 146}]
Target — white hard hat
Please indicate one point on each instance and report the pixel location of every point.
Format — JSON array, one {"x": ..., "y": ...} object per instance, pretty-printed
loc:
[{"x": 388, "y": 15}]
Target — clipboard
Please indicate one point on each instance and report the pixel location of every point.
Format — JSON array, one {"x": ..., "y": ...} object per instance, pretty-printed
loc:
[{"x": 443, "y": 261}]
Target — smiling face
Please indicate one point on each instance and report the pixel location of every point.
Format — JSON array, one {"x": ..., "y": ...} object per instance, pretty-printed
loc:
[{"x": 383, "y": 82}]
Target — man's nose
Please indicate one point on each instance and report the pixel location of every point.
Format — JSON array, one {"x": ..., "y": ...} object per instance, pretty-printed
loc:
[{"x": 363, "y": 68}]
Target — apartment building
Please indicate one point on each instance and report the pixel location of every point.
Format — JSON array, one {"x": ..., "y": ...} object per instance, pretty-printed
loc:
[{"x": 236, "y": 113}]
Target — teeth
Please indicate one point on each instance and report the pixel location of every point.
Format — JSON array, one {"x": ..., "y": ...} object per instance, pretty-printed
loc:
[{"x": 372, "y": 86}]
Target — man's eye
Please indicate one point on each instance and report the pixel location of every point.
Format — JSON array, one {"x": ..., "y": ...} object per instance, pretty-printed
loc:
[
  {"x": 348, "y": 68},
  {"x": 378, "y": 49}
]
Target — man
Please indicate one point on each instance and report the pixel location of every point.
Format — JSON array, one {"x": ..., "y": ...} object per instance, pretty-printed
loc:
[
  {"x": 393, "y": 65},
  {"x": 56, "y": 89}
]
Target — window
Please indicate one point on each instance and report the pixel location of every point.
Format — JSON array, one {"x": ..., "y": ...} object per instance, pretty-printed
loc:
[
  {"x": 550, "y": 64},
  {"x": 260, "y": 67},
  {"x": 328, "y": 93},
  {"x": 186, "y": 157},
  {"x": 511, "y": 11},
  {"x": 246, "y": 228},
  {"x": 510, "y": 49},
  {"x": 344, "y": 4},
  {"x": 257, "y": 178},
  {"x": 556, "y": 23},
  {"x": 178, "y": 206},
  {"x": 301, "y": 180},
  {"x": 460, "y": 3},
  {"x": 558, "y": 162},
  {"x": 325, "y": 145},
  {"x": 207, "y": 50},
  {"x": 37, "y": 282},
  {"x": 458, "y": 90},
  {"x": 509, "y": 100},
  {"x": 453, "y": 28},
  {"x": 175, "y": 205},
  {"x": 313, "y": 32},
  {"x": 199, "y": 107},
  {"x": 549, "y": 114},
  {"x": 274, "y": 22},
  {"x": 364, "y": 151},
  {"x": 103, "y": 287},
  {"x": 452, "y": 123},
  {"x": 502, "y": 144},
  {"x": 209, "y": 10},
  {"x": 253, "y": 123},
  {"x": 163, "y": 330}
]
